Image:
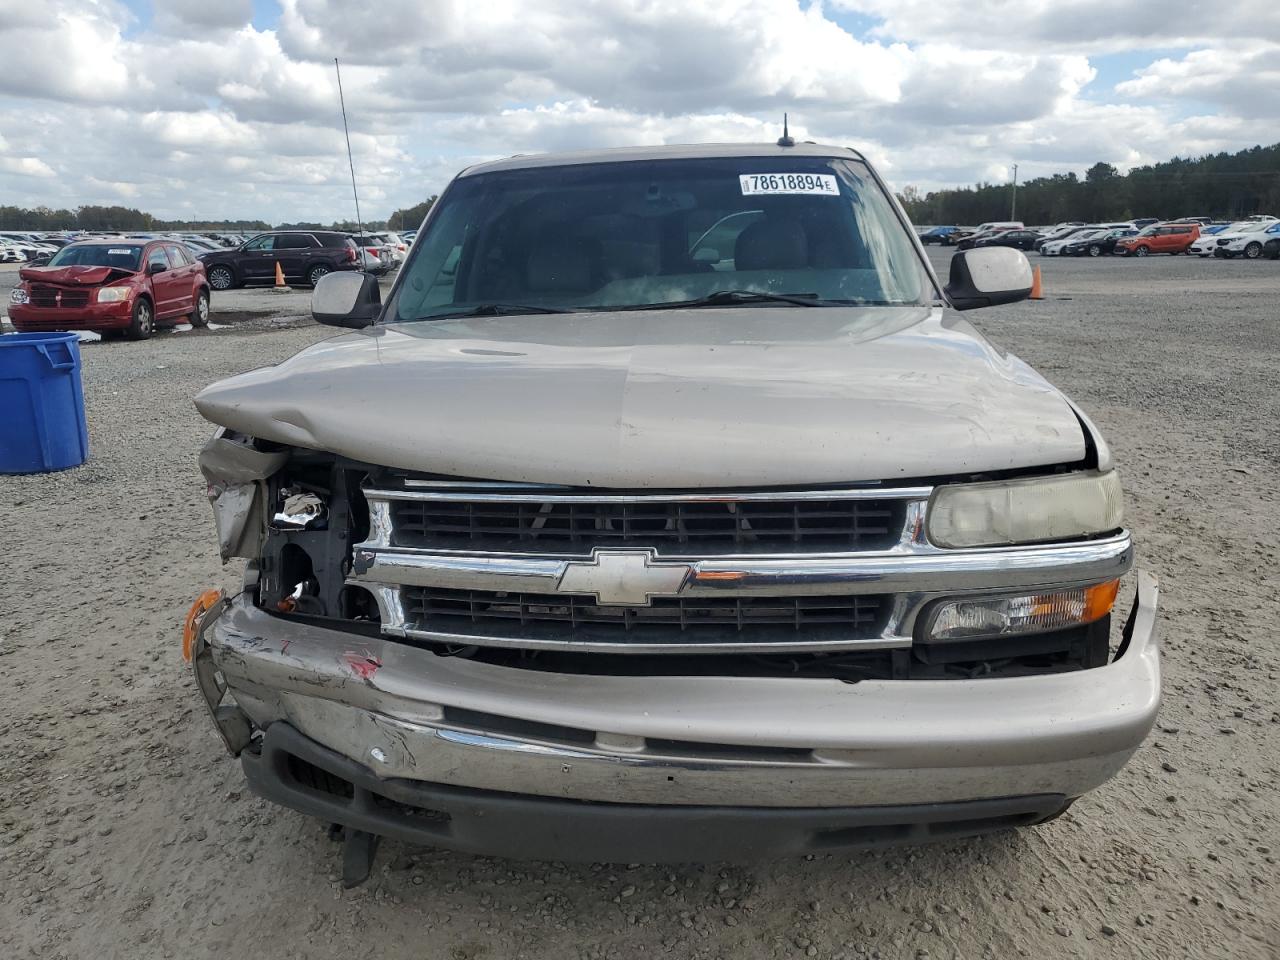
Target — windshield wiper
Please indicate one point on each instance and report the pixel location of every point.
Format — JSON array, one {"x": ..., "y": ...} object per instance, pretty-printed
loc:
[
  {"x": 729, "y": 298},
  {"x": 495, "y": 310}
]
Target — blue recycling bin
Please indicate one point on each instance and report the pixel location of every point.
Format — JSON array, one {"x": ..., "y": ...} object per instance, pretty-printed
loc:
[{"x": 42, "y": 425}]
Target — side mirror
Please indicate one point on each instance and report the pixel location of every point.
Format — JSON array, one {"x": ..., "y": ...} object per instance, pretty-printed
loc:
[
  {"x": 988, "y": 277},
  {"x": 154, "y": 268},
  {"x": 40, "y": 261},
  {"x": 346, "y": 299}
]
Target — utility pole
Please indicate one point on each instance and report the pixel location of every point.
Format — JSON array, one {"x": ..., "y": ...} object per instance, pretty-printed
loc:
[
  {"x": 1013, "y": 203},
  {"x": 350, "y": 162}
]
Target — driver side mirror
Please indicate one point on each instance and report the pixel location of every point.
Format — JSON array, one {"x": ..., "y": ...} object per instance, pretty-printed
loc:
[
  {"x": 154, "y": 268},
  {"x": 988, "y": 277},
  {"x": 346, "y": 299}
]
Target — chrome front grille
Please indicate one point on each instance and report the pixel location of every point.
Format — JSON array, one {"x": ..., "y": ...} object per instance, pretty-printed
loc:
[
  {"x": 577, "y": 524},
  {"x": 546, "y": 567},
  {"x": 526, "y": 566}
]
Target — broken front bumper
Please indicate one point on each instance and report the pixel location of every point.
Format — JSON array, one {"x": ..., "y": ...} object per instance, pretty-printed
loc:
[{"x": 355, "y": 725}]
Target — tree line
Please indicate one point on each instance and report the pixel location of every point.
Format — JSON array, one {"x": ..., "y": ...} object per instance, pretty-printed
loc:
[
  {"x": 111, "y": 218},
  {"x": 1226, "y": 186},
  {"x": 126, "y": 218}
]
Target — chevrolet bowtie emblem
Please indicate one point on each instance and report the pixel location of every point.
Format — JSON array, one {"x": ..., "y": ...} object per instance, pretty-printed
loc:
[{"x": 624, "y": 577}]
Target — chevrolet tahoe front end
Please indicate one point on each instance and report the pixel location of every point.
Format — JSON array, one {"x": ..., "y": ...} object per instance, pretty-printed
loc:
[{"x": 717, "y": 535}]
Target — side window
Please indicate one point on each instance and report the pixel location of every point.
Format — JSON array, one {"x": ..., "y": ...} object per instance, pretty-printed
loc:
[
  {"x": 293, "y": 241},
  {"x": 177, "y": 256},
  {"x": 261, "y": 243},
  {"x": 156, "y": 256}
]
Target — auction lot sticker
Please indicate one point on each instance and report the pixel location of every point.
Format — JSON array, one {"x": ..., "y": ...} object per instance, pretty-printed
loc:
[{"x": 819, "y": 183}]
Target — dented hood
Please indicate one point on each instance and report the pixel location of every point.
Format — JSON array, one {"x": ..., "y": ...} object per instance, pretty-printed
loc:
[
  {"x": 75, "y": 276},
  {"x": 752, "y": 396}
]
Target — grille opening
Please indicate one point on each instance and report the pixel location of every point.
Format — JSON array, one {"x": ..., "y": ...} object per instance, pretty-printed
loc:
[
  {"x": 513, "y": 726},
  {"x": 409, "y": 810},
  {"x": 577, "y": 527},
  {"x": 46, "y": 296},
  {"x": 308, "y": 775},
  {"x": 1057, "y": 652},
  {"x": 431, "y": 608}
]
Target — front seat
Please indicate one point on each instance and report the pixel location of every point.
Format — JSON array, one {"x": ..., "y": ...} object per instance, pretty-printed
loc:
[
  {"x": 772, "y": 245},
  {"x": 563, "y": 265}
]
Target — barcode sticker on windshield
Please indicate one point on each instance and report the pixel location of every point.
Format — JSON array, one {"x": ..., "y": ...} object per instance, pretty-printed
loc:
[
  {"x": 819, "y": 183},
  {"x": 124, "y": 250}
]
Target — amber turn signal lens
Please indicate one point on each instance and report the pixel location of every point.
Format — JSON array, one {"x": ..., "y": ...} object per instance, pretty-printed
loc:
[
  {"x": 978, "y": 617},
  {"x": 1098, "y": 600},
  {"x": 203, "y": 603}
]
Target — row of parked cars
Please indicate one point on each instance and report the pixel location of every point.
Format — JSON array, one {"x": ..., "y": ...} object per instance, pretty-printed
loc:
[
  {"x": 135, "y": 283},
  {"x": 378, "y": 252},
  {"x": 1252, "y": 238}
]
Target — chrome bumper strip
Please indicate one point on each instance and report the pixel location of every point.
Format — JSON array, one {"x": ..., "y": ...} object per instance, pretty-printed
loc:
[{"x": 921, "y": 571}]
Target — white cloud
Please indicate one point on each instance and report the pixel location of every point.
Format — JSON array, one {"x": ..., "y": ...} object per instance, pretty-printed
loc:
[
  {"x": 26, "y": 167},
  {"x": 236, "y": 121},
  {"x": 1090, "y": 26},
  {"x": 1244, "y": 79}
]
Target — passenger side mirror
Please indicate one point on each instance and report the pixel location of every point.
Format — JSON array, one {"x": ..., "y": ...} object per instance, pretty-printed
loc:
[
  {"x": 987, "y": 277},
  {"x": 347, "y": 299}
]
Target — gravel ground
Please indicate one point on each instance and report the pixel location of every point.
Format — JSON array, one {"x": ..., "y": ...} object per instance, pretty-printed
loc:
[{"x": 125, "y": 831}]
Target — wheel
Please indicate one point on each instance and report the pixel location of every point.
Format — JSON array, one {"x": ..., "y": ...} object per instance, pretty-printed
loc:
[
  {"x": 1095, "y": 250},
  {"x": 200, "y": 315},
  {"x": 1141, "y": 251},
  {"x": 316, "y": 272},
  {"x": 143, "y": 324},
  {"x": 1253, "y": 251},
  {"x": 221, "y": 278}
]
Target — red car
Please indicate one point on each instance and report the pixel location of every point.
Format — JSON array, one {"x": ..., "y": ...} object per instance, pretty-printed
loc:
[
  {"x": 128, "y": 285},
  {"x": 1172, "y": 238}
]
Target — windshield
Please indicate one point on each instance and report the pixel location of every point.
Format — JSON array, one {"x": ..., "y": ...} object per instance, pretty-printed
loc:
[
  {"x": 648, "y": 233},
  {"x": 124, "y": 256}
]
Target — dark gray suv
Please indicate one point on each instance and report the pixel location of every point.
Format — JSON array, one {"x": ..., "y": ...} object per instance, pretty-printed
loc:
[{"x": 303, "y": 256}]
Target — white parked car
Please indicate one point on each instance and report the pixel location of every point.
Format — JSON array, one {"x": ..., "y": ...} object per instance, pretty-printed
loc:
[
  {"x": 399, "y": 246},
  {"x": 1054, "y": 248},
  {"x": 1245, "y": 239},
  {"x": 1207, "y": 242}
]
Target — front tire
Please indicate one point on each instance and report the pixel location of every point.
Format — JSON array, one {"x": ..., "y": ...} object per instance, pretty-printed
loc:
[
  {"x": 143, "y": 324},
  {"x": 1142, "y": 251},
  {"x": 1095, "y": 251},
  {"x": 221, "y": 278},
  {"x": 1253, "y": 251},
  {"x": 316, "y": 272},
  {"x": 200, "y": 315}
]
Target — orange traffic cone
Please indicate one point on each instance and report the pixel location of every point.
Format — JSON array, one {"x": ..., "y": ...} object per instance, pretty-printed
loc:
[
  {"x": 280, "y": 276},
  {"x": 1036, "y": 292}
]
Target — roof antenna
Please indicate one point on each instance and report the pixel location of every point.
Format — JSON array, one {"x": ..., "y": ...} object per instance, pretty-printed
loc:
[{"x": 786, "y": 140}]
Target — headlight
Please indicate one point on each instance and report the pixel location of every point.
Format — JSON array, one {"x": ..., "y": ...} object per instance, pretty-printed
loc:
[
  {"x": 1005, "y": 512},
  {"x": 1002, "y": 616},
  {"x": 114, "y": 294},
  {"x": 19, "y": 295}
]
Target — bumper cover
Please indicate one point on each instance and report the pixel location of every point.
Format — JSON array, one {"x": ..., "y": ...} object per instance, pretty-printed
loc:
[
  {"x": 407, "y": 714},
  {"x": 95, "y": 316},
  {"x": 292, "y": 770}
]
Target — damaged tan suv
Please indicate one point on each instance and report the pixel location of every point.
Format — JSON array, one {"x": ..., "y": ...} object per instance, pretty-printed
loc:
[{"x": 668, "y": 510}]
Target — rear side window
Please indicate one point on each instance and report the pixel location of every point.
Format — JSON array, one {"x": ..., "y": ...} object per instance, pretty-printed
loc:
[
  {"x": 177, "y": 256},
  {"x": 293, "y": 241}
]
